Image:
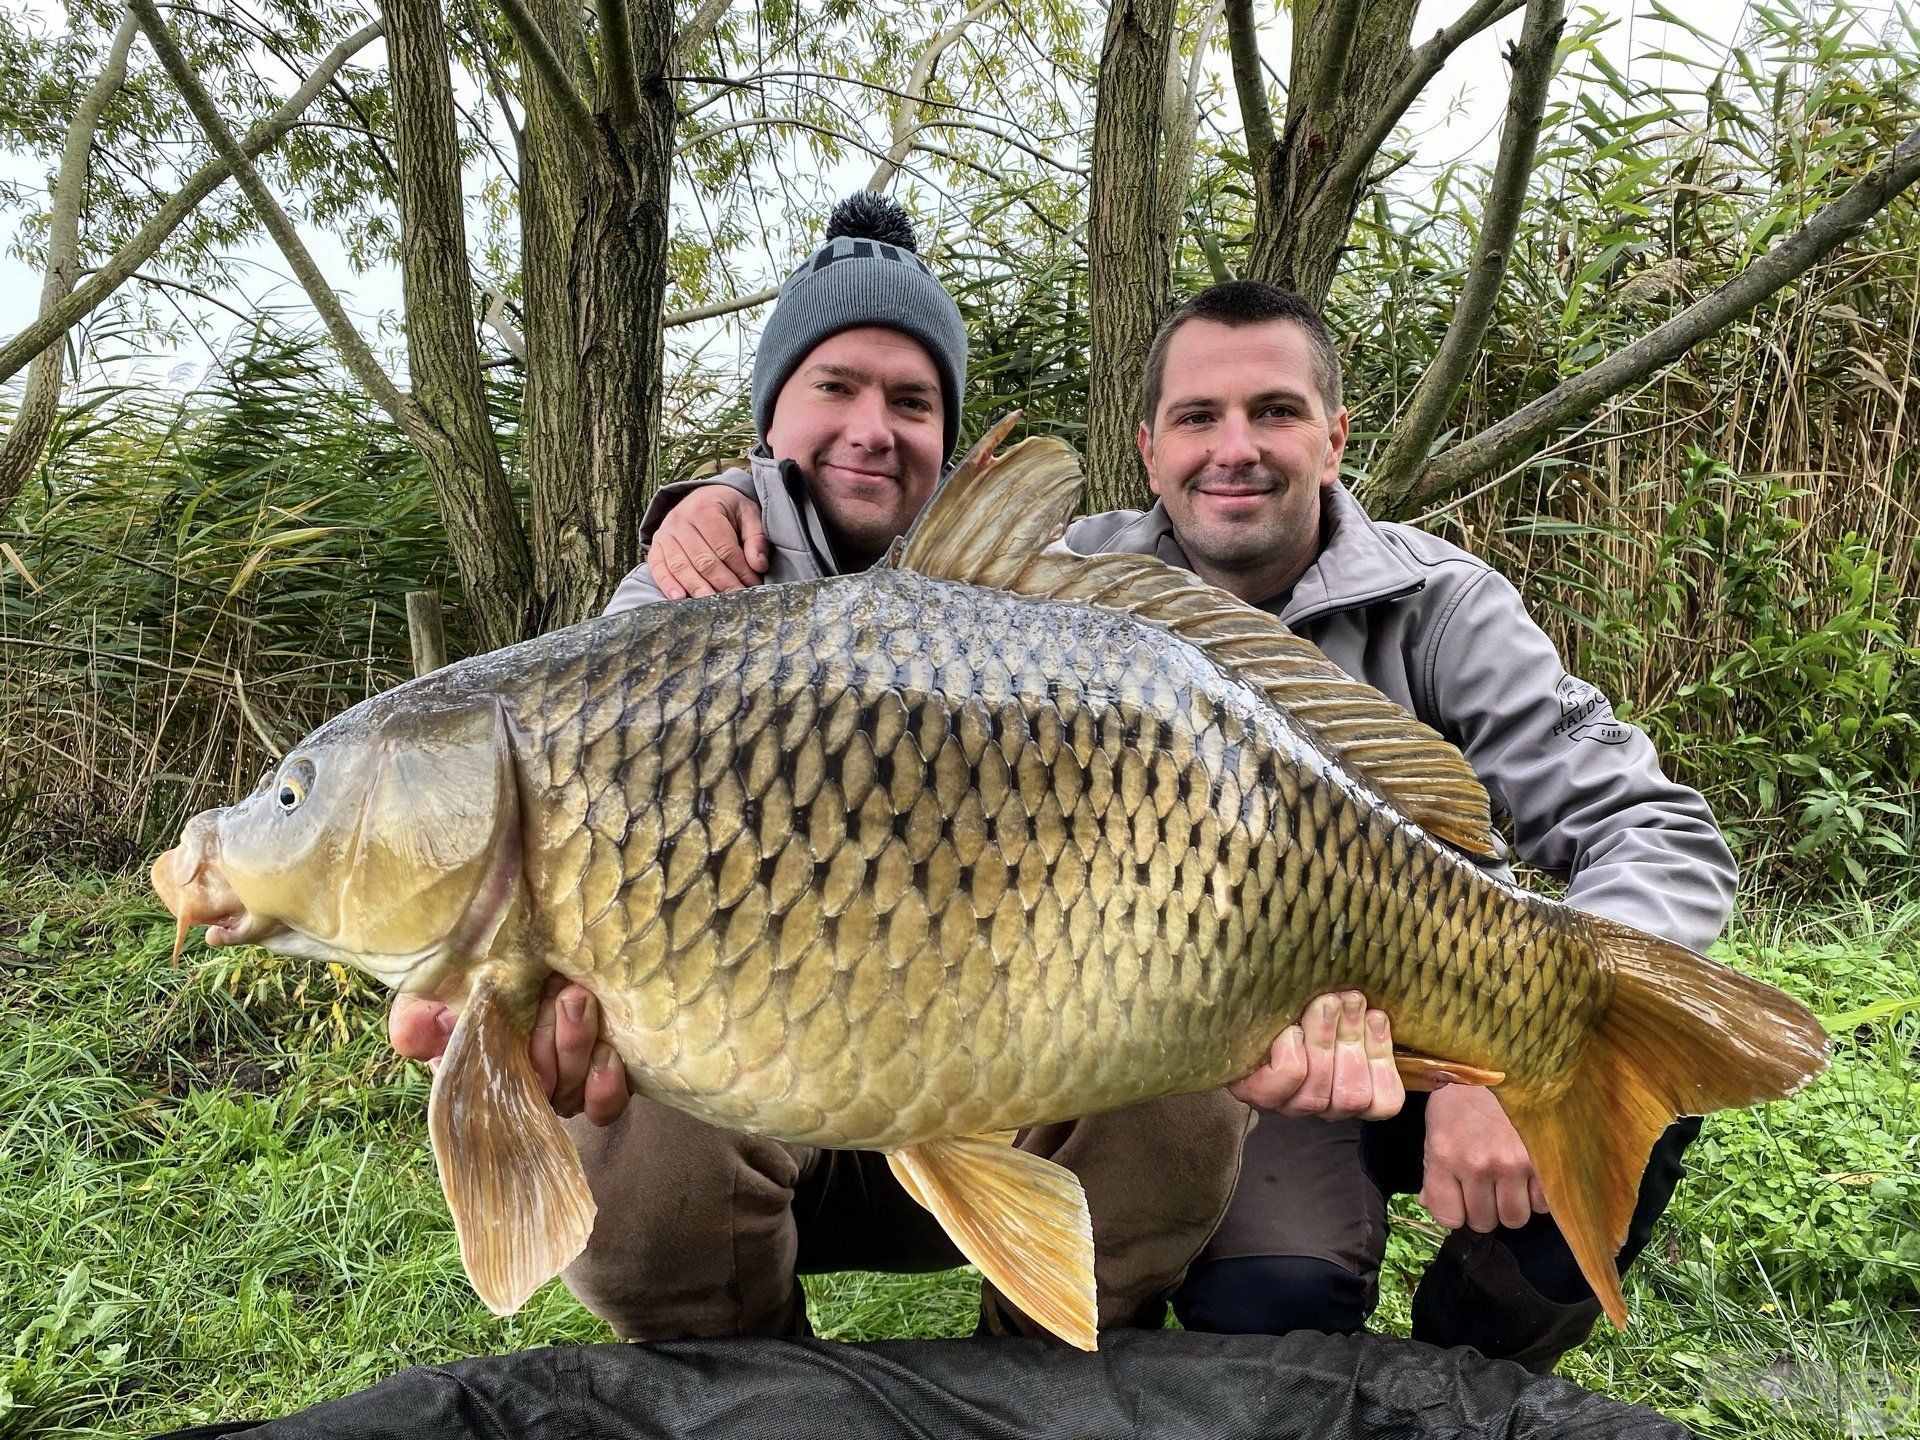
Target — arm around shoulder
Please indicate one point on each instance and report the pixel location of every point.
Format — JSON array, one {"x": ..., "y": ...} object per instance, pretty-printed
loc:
[
  {"x": 715, "y": 540},
  {"x": 668, "y": 496},
  {"x": 635, "y": 590},
  {"x": 1093, "y": 534}
]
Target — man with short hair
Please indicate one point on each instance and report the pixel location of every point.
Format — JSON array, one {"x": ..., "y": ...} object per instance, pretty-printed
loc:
[
  {"x": 702, "y": 1231},
  {"x": 1242, "y": 435}
]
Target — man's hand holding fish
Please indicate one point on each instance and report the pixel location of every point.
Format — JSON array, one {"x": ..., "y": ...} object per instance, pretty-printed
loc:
[{"x": 1337, "y": 1063}]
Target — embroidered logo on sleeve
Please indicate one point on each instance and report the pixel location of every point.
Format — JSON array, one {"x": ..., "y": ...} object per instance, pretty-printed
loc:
[{"x": 1586, "y": 715}]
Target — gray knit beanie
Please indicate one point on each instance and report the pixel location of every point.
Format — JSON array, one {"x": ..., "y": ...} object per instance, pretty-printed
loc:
[{"x": 867, "y": 273}]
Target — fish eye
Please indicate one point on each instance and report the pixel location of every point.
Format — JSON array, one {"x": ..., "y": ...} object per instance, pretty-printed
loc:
[{"x": 295, "y": 781}]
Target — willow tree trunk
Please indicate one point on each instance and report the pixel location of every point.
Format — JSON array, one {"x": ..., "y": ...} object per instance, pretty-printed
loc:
[
  {"x": 594, "y": 241},
  {"x": 1348, "y": 57},
  {"x": 1128, "y": 251},
  {"x": 482, "y": 522},
  {"x": 619, "y": 277},
  {"x": 554, "y": 172}
]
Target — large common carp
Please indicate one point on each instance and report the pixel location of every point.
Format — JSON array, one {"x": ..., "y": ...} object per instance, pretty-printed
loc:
[{"x": 986, "y": 837}]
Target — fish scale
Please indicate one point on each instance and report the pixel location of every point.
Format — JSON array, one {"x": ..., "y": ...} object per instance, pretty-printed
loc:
[{"x": 794, "y": 927}]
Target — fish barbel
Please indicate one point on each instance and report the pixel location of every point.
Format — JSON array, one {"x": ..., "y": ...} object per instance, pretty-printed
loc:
[{"x": 987, "y": 837}]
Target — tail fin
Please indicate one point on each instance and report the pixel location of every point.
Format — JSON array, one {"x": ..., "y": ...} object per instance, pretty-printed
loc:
[{"x": 1682, "y": 1035}]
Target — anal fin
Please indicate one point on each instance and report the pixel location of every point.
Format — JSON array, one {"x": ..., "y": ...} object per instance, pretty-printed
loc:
[
  {"x": 512, "y": 1178},
  {"x": 1022, "y": 1219},
  {"x": 1427, "y": 1072}
]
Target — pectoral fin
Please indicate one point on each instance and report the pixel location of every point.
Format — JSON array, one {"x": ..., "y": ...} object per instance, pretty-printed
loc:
[
  {"x": 1023, "y": 1220},
  {"x": 512, "y": 1178},
  {"x": 1424, "y": 1072}
]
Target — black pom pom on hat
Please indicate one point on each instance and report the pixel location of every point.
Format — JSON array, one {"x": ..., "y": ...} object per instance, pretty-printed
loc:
[{"x": 867, "y": 216}]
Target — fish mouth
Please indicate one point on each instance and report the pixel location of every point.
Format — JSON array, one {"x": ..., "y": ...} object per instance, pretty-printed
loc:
[
  {"x": 190, "y": 883},
  {"x": 193, "y": 885}
]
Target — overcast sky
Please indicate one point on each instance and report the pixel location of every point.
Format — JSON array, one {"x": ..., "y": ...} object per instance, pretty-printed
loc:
[{"x": 1458, "y": 117}]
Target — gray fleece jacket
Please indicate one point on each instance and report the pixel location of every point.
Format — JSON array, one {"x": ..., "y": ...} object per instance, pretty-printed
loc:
[
  {"x": 1446, "y": 636},
  {"x": 797, "y": 544}
]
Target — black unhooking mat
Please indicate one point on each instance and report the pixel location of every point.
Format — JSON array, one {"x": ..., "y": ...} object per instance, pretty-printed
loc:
[{"x": 1147, "y": 1384}]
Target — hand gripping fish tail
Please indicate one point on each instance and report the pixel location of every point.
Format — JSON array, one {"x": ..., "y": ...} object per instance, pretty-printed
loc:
[{"x": 987, "y": 837}]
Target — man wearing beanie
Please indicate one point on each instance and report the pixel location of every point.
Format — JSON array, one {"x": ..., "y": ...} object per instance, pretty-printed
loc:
[
  {"x": 703, "y": 1231},
  {"x": 856, "y": 399}
]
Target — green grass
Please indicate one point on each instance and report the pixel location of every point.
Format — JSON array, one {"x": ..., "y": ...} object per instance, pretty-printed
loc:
[{"x": 216, "y": 1200}]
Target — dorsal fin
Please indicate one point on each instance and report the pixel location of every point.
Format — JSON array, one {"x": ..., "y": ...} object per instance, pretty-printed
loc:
[
  {"x": 986, "y": 509},
  {"x": 1408, "y": 762},
  {"x": 988, "y": 526}
]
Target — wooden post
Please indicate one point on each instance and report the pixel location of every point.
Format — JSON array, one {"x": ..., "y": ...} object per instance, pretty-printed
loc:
[{"x": 425, "y": 631}]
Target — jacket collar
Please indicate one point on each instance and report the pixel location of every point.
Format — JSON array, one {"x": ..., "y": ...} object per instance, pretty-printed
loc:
[
  {"x": 1356, "y": 566},
  {"x": 771, "y": 475}
]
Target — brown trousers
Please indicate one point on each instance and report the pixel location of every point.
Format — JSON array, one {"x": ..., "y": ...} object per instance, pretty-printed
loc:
[{"x": 703, "y": 1232}]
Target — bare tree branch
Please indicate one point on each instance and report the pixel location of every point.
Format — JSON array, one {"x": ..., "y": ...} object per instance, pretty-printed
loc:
[
  {"x": 1426, "y": 409},
  {"x": 1342, "y": 20},
  {"x": 727, "y": 127},
  {"x": 796, "y": 122},
  {"x": 1016, "y": 187},
  {"x": 1052, "y": 161},
  {"x": 358, "y": 131},
  {"x": 621, "y": 79},
  {"x": 550, "y": 71},
  {"x": 464, "y": 20},
  {"x": 1832, "y": 226},
  {"x": 161, "y": 282},
  {"x": 376, "y": 142},
  {"x": 27, "y": 439},
  {"x": 906, "y": 113},
  {"x": 89, "y": 294},
  {"x": 718, "y": 307},
  {"x": 758, "y": 77},
  {"x": 494, "y": 317},
  {"x": 967, "y": 162},
  {"x": 1422, "y": 65},
  {"x": 475, "y": 126},
  {"x": 354, "y": 351},
  {"x": 758, "y": 122},
  {"x": 497, "y": 88},
  {"x": 696, "y": 32},
  {"x": 1256, "y": 116}
]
